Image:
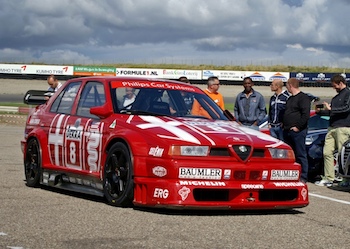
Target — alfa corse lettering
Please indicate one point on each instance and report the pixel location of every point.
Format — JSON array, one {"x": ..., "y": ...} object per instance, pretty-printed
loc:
[
  {"x": 198, "y": 173},
  {"x": 93, "y": 142}
]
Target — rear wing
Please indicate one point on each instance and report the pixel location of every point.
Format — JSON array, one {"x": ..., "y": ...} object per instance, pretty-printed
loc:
[{"x": 37, "y": 97}]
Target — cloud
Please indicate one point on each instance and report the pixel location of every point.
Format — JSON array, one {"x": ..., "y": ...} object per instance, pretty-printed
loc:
[{"x": 189, "y": 31}]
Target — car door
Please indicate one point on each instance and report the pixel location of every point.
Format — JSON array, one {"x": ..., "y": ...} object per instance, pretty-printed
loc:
[
  {"x": 57, "y": 119},
  {"x": 83, "y": 140}
]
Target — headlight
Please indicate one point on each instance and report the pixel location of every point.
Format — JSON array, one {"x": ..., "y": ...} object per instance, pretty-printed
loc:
[
  {"x": 281, "y": 153},
  {"x": 177, "y": 150}
]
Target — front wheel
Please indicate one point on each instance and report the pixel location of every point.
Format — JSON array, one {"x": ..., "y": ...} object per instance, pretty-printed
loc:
[
  {"x": 32, "y": 163},
  {"x": 118, "y": 176}
]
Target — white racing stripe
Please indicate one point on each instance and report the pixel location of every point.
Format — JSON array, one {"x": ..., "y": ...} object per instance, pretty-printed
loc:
[{"x": 329, "y": 198}]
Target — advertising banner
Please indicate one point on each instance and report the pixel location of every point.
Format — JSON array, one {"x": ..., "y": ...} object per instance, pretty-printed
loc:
[
  {"x": 240, "y": 75},
  {"x": 140, "y": 72},
  {"x": 223, "y": 74},
  {"x": 36, "y": 69},
  {"x": 316, "y": 77},
  {"x": 266, "y": 76},
  {"x": 94, "y": 71},
  {"x": 177, "y": 73}
]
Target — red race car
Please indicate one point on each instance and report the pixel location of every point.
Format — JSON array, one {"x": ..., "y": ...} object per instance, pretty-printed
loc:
[{"x": 155, "y": 143}]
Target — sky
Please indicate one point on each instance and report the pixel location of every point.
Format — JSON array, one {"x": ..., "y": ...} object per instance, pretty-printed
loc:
[{"x": 193, "y": 32}]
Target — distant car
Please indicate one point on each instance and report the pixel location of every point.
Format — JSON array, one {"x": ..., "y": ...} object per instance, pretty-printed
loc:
[
  {"x": 317, "y": 130},
  {"x": 155, "y": 151}
]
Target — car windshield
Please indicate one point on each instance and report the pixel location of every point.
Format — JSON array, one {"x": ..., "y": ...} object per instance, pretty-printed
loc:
[
  {"x": 318, "y": 122},
  {"x": 168, "y": 101}
]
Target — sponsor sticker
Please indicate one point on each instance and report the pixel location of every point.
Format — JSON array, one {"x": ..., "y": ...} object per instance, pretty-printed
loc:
[
  {"x": 289, "y": 184},
  {"x": 156, "y": 151},
  {"x": 227, "y": 174},
  {"x": 203, "y": 183},
  {"x": 304, "y": 193},
  {"x": 160, "y": 193},
  {"x": 200, "y": 173},
  {"x": 264, "y": 175},
  {"x": 184, "y": 192},
  {"x": 252, "y": 186},
  {"x": 159, "y": 171},
  {"x": 284, "y": 174}
]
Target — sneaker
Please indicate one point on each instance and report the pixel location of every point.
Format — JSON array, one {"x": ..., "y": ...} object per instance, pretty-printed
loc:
[{"x": 324, "y": 182}]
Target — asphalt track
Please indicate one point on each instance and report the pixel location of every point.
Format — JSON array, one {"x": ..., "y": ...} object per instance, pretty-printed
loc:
[{"x": 44, "y": 218}]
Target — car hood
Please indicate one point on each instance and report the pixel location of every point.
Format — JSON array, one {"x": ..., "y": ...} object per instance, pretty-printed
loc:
[{"x": 200, "y": 131}]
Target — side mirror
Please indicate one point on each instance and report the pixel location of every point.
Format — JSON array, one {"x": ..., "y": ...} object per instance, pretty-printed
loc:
[
  {"x": 36, "y": 97},
  {"x": 103, "y": 111}
]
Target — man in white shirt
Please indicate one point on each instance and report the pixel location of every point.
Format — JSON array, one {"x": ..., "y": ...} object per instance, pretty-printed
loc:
[{"x": 53, "y": 82}]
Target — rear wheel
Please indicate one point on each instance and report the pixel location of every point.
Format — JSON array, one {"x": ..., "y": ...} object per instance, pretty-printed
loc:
[
  {"x": 118, "y": 176},
  {"x": 32, "y": 163}
]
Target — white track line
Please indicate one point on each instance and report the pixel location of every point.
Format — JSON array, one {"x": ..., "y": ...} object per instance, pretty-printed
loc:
[{"x": 329, "y": 198}]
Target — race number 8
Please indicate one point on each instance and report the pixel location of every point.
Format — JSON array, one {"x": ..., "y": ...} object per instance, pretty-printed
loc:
[{"x": 72, "y": 151}]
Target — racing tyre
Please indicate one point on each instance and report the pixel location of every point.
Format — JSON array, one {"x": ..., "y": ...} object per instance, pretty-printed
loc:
[
  {"x": 32, "y": 163},
  {"x": 118, "y": 176},
  {"x": 344, "y": 159}
]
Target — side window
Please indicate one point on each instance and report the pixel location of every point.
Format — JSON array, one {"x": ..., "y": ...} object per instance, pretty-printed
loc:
[
  {"x": 93, "y": 94},
  {"x": 64, "y": 102}
]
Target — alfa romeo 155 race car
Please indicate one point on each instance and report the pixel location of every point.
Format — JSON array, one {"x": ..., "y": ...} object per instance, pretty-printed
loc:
[{"x": 155, "y": 143}]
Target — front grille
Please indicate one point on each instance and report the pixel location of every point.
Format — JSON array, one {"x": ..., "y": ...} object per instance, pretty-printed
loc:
[
  {"x": 243, "y": 151},
  {"x": 257, "y": 153},
  {"x": 219, "y": 152}
]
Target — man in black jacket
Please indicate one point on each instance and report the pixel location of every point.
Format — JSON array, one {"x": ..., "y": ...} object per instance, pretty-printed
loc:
[
  {"x": 277, "y": 107},
  {"x": 295, "y": 120},
  {"x": 339, "y": 127}
]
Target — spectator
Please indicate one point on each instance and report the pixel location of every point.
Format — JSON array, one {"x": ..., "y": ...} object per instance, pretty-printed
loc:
[
  {"x": 295, "y": 119},
  {"x": 129, "y": 97},
  {"x": 53, "y": 82},
  {"x": 184, "y": 79},
  {"x": 213, "y": 85},
  {"x": 212, "y": 91},
  {"x": 277, "y": 107},
  {"x": 250, "y": 107},
  {"x": 188, "y": 97},
  {"x": 339, "y": 128}
]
